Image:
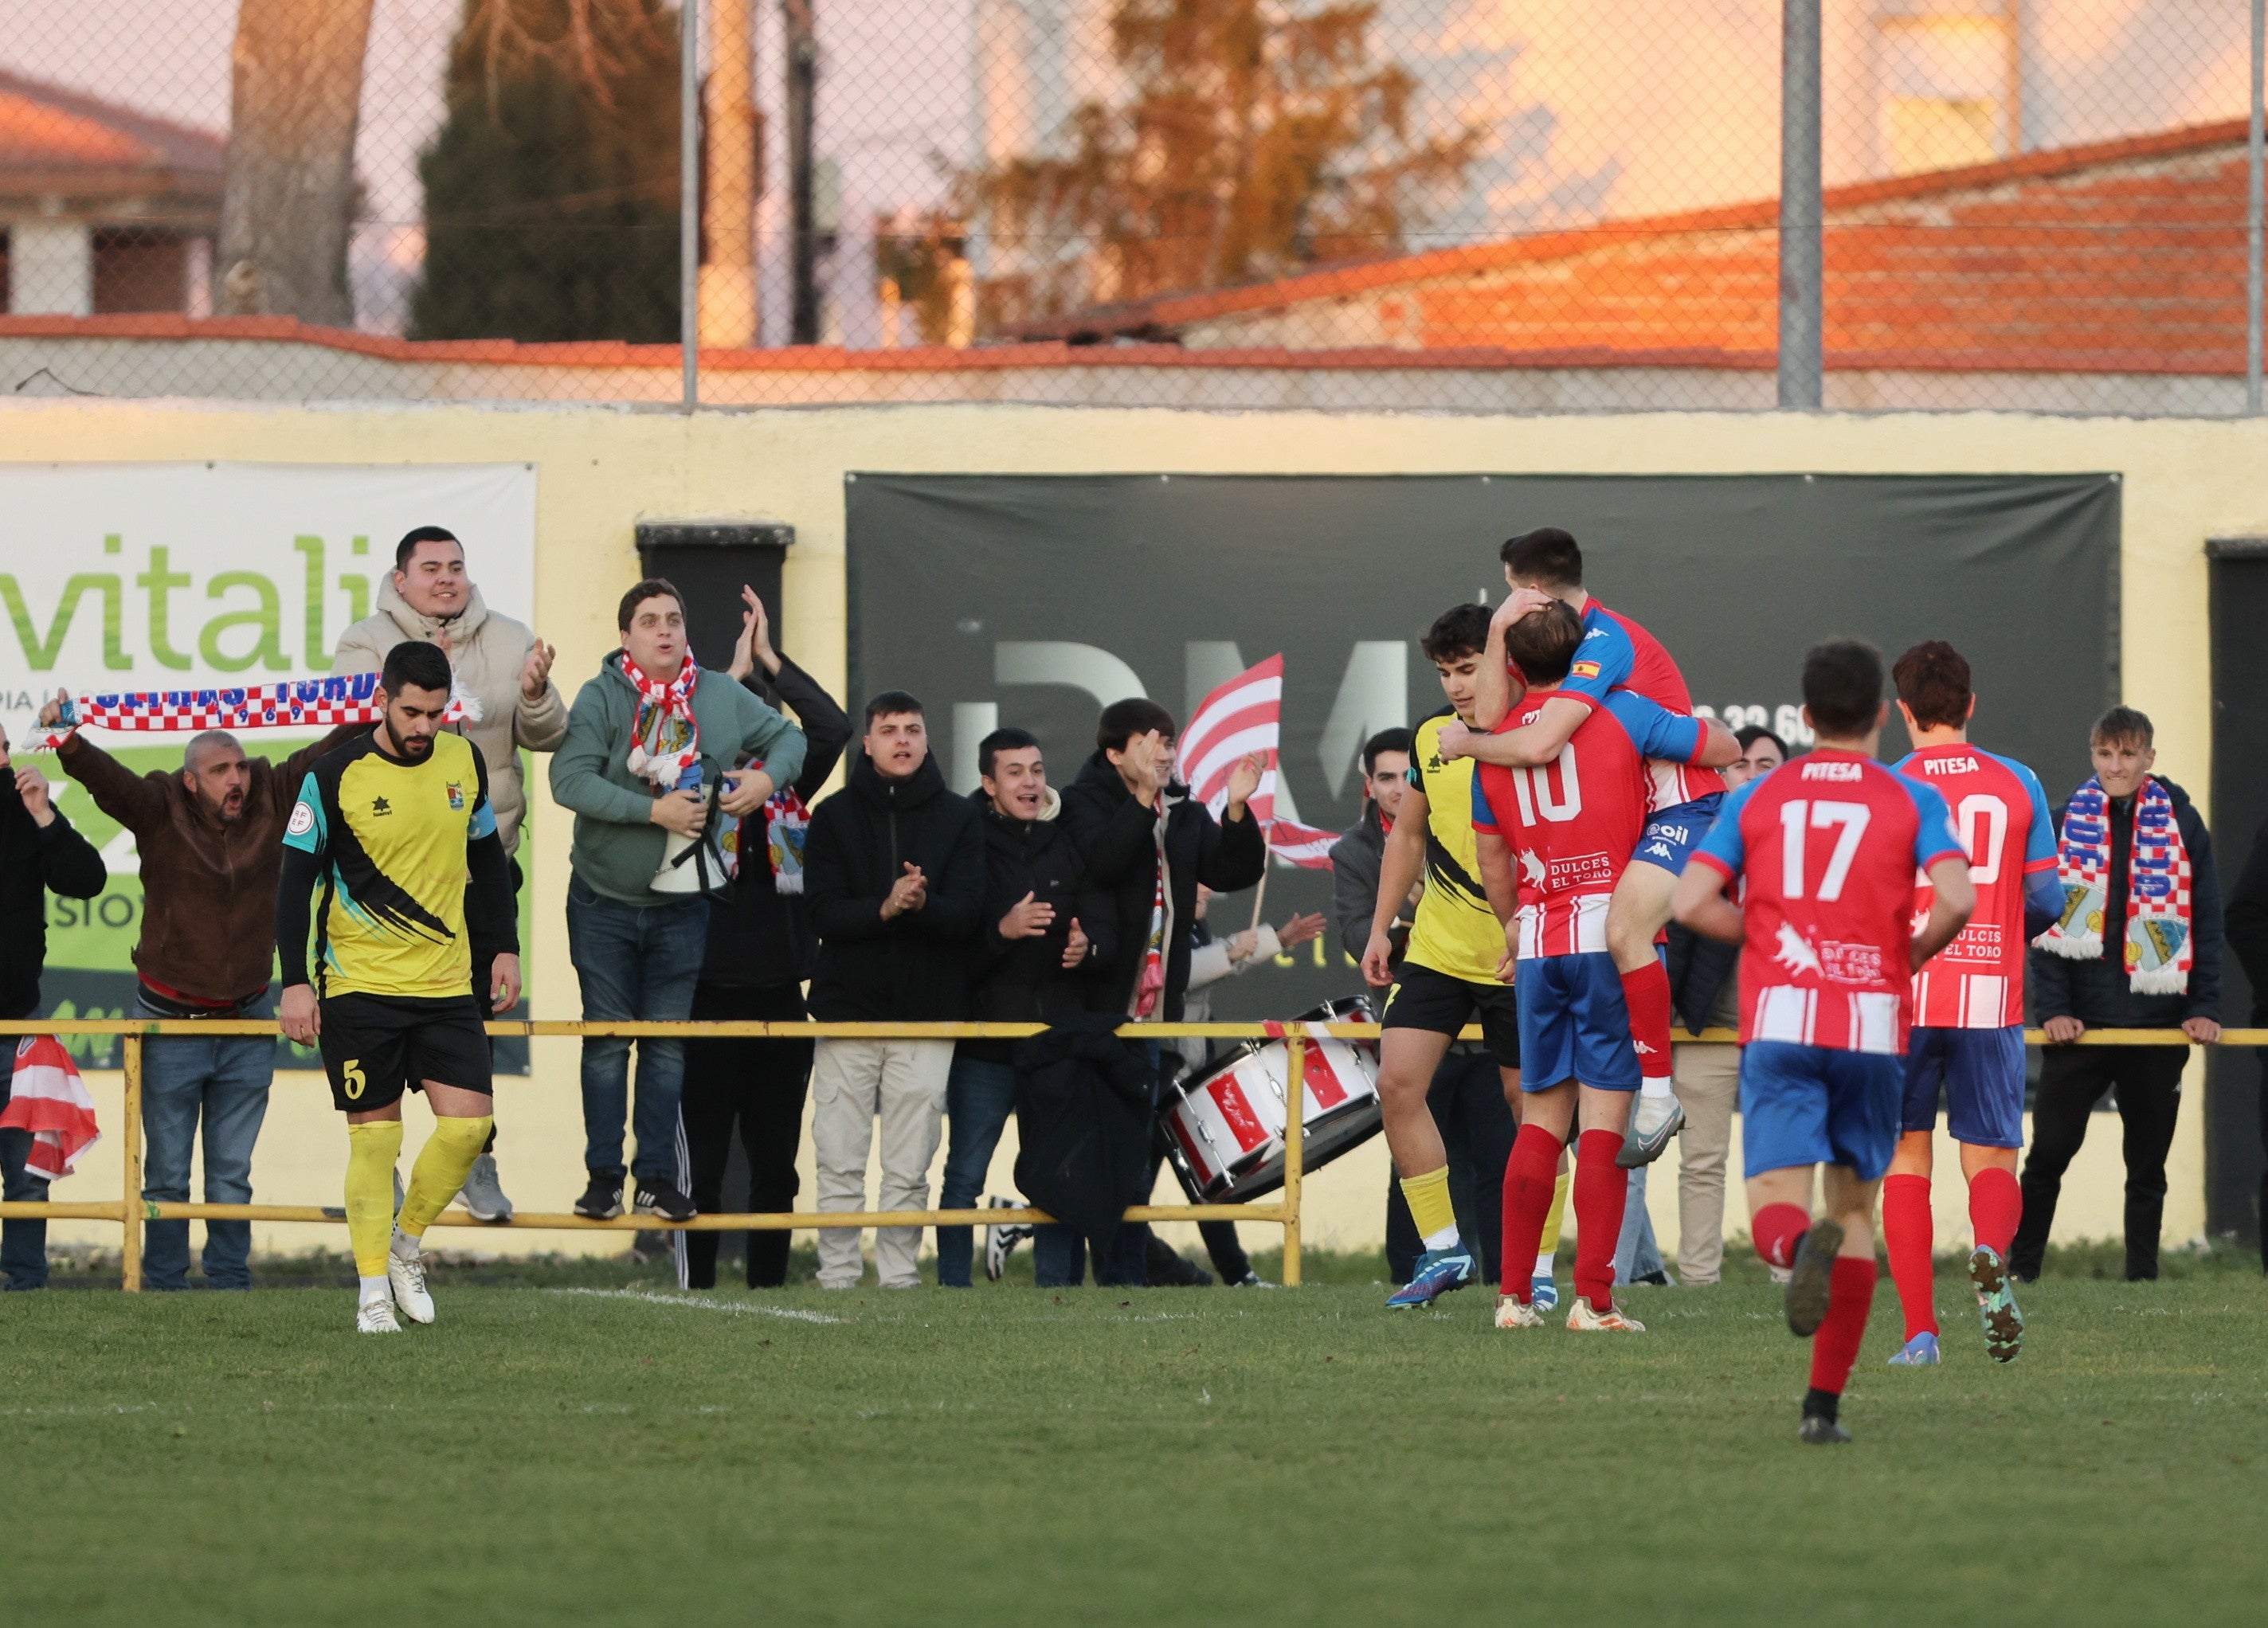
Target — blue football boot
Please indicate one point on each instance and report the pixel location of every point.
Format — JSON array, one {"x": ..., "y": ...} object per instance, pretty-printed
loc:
[
  {"x": 1543, "y": 1291},
  {"x": 1917, "y": 1353},
  {"x": 1438, "y": 1271}
]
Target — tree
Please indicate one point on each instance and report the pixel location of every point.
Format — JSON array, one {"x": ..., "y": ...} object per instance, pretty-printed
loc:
[
  {"x": 1252, "y": 140},
  {"x": 551, "y": 188},
  {"x": 288, "y": 202}
]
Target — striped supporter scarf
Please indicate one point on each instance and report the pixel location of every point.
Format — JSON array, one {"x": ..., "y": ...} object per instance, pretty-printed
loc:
[
  {"x": 48, "y": 1098},
  {"x": 664, "y": 736},
  {"x": 2157, "y": 929},
  {"x": 296, "y": 704}
]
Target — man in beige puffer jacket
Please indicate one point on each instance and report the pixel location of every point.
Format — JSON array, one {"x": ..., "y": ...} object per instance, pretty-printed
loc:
[{"x": 506, "y": 670}]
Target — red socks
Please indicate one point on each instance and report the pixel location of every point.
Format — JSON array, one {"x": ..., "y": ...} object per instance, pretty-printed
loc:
[
  {"x": 1646, "y": 993},
  {"x": 1529, "y": 1175},
  {"x": 1908, "y": 1236},
  {"x": 1602, "y": 1189},
  {"x": 1996, "y": 1204},
  {"x": 1836, "y": 1346},
  {"x": 1776, "y": 1228}
]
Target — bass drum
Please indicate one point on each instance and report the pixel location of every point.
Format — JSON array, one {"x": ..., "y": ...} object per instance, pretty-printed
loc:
[{"x": 1224, "y": 1129}]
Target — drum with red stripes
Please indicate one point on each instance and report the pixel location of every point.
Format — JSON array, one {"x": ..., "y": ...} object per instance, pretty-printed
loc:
[{"x": 1224, "y": 1128}]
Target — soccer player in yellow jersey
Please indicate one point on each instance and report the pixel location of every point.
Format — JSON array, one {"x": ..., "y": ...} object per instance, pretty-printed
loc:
[
  {"x": 395, "y": 832},
  {"x": 1448, "y": 974}
]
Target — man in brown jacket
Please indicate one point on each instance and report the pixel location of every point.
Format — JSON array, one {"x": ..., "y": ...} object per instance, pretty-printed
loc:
[{"x": 210, "y": 838}]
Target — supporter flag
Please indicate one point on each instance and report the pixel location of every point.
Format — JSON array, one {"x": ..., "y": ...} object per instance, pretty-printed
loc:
[
  {"x": 48, "y": 1099},
  {"x": 1245, "y": 715}
]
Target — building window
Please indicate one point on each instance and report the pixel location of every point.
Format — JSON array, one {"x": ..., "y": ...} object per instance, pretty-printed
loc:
[
  {"x": 1949, "y": 88},
  {"x": 140, "y": 269}
]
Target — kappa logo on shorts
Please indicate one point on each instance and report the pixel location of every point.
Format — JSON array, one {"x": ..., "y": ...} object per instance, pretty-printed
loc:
[
  {"x": 456, "y": 796},
  {"x": 1660, "y": 850}
]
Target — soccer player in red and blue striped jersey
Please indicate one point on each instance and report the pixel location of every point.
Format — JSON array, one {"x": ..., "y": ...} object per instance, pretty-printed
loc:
[
  {"x": 1828, "y": 845},
  {"x": 1968, "y": 1040}
]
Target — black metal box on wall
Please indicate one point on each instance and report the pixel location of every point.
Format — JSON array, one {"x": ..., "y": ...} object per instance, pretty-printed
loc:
[{"x": 709, "y": 561}]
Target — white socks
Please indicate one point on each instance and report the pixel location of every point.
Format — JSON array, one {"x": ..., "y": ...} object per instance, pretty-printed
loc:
[
  {"x": 1544, "y": 1264},
  {"x": 1447, "y": 1238},
  {"x": 405, "y": 1247},
  {"x": 376, "y": 1289},
  {"x": 1656, "y": 1089}
]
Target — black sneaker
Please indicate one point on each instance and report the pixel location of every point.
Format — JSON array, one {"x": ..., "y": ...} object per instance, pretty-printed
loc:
[
  {"x": 1812, "y": 1284},
  {"x": 660, "y": 1198},
  {"x": 602, "y": 1200},
  {"x": 1819, "y": 1432}
]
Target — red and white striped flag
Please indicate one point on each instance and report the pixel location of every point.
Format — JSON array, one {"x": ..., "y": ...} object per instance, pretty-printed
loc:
[
  {"x": 1246, "y": 715},
  {"x": 48, "y": 1099}
]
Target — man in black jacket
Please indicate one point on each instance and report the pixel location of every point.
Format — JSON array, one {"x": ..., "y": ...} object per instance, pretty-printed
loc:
[
  {"x": 2075, "y": 985},
  {"x": 1042, "y": 925},
  {"x": 40, "y": 854},
  {"x": 760, "y": 952},
  {"x": 2247, "y": 918},
  {"x": 895, "y": 869}
]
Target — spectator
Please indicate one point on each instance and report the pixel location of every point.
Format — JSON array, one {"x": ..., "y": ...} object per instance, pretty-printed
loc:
[
  {"x": 1706, "y": 989},
  {"x": 2247, "y": 936},
  {"x": 1145, "y": 843},
  {"x": 1040, "y": 929},
  {"x": 643, "y": 738},
  {"x": 2122, "y": 841},
  {"x": 502, "y": 669},
  {"x": 895, "y": 869},
  {"x": 761, "y": 951},
  {"x": 40, "y": 854},
  {"x": 209, "y": 836}
]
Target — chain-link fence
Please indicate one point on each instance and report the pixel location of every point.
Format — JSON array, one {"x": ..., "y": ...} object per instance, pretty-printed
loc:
[{"x": 1433, "y": 204}]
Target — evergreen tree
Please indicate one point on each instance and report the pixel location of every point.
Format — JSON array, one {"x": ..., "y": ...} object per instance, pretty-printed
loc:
[{"x": 551, "y": 189}]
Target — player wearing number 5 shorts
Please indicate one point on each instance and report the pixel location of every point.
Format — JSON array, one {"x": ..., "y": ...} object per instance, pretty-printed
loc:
[
  {"x": 393, "y": 838},
  {"x": 1968, "y": 1039}
]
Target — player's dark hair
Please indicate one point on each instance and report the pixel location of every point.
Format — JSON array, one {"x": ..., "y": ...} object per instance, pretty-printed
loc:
[
  {"x": 2122, "y": 726},
  {"x": 1543, "y": 644},
  {"x": 1843, "y": 687},
  {"x": 1749, "y": 734},
  {"x": 647, "y": 588},
  {"x": 410, "y": 539},
  {"x": 1460, "y": 630},
  {"x": 1385, "y": 740},
  {"x": 1546, "y": 558},
  {"x": 998, "y": 741},
  {"x": 1934, "y": 681},
  {"x": 414, "y": 665},
  {"x": 1123, "y": 720},
  {"x": 892, "y": 703}
]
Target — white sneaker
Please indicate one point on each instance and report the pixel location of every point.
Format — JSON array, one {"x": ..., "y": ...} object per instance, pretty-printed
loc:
[
  {"x": 1511, "y": 1312},
  {"x": 408, "y": 1277},
  {"x": 1583, "y": 1320},
  {"x": 376, "y": 1316}
]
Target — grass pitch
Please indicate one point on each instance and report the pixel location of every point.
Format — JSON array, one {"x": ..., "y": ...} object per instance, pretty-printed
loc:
[{"x": 584, "y": 1453}]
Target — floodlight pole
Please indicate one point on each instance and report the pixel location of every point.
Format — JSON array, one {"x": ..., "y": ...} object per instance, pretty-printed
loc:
[
  {"x": 688, "y": 200},
  {"x": 1801, "y": 213}
]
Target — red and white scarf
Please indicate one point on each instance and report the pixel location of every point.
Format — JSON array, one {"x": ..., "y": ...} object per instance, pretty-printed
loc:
[
  {"x": 295, "y": 703},
  {"x": 785, "y": 821},
  {"x": 665, "y": 737},
  {"x": 1149, "y": 987},
  {"x": 48, "y": 1098},
  {"x": 2159, "y": 942}
]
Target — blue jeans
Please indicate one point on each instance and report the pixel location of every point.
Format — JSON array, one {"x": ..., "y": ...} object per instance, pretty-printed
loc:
[
  {"x": 223, "y": 1079},
  {"x": 636, "y": 963},
  {"x": 23, "y": 1243},
  {"x": 1636, "y": 1254},
  {"x": 979, "y": 1096}
]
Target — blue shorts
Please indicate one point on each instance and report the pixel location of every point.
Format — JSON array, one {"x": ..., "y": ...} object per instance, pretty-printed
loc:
[
  {"x": 1673, "y": 835},
  {"x": 1982, "y": 1073},
  {"x": 1814, "y": 1105},
  {"x": 1573, "y": 1024}
]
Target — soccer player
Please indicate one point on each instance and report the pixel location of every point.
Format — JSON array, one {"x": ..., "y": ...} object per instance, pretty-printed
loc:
[
  {"x": 396, "y": 830},
  {"x": 1543, "y": 567},
  {"x": 1968, "y": 1039},
  {"x": 1571, "y": 825},
  {"x": 1829, "y": 846},
  {"x": 1447, "y": 975}
]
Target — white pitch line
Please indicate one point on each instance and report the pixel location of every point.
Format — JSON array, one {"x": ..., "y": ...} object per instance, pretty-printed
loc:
[{"x": 734, "y": 1307}]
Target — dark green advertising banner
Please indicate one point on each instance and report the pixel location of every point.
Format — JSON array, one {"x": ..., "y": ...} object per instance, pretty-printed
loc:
[{"x": 1034, "y": 600}]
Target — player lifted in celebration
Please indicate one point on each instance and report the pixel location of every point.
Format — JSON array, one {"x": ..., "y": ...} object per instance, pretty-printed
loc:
[
  {"x": 1828, "y": 845},
  {"x": 1570, "y": 825},
  {"x": 1968, "y": 1039},
  {"x": 395, "y": 830},
  {"x": 1448, "y": 973},
  {"x": 1545, "y": 567}
]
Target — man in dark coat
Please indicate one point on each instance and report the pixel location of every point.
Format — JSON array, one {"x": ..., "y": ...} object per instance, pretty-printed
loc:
[
  {"x": 759, "y": 951},
  {"x": 895, "y": 869},
  {"x": 2247, "y": 919}
]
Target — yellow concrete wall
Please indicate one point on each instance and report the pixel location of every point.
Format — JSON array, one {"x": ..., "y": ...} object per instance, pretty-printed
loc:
[{"x": 601, "y": 471}]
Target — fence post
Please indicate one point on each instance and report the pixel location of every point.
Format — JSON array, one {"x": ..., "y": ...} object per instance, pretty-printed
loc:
[
  {"x": 130, "y": 1206},
  {"x": 1295, "y": 1154},
  {"x": 1803, "y": 277},
  {"x": 688, "y": 203}
]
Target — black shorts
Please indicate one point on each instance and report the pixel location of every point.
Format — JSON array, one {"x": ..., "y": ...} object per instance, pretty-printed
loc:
[
  {"x": 1440, "y": 1004},
  {"x": 375, "y": 1047}
]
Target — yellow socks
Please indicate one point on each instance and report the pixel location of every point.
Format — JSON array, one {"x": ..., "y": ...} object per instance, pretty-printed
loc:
[
  {"x": 1428, "y": 1198},
  {"x": 1550, "y": 1245},
  {"x": 442, "y": 1165},
  {"x": 371, "y": 1151}
]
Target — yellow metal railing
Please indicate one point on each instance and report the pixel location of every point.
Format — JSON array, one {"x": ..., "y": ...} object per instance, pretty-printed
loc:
[{"x": 128, "y": 1212}]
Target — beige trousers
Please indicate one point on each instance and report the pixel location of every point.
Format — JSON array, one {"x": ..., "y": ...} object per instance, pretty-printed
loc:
[
  {"x": 1708, "y": 1080},
  {"x": 853, "y": 1084}
]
